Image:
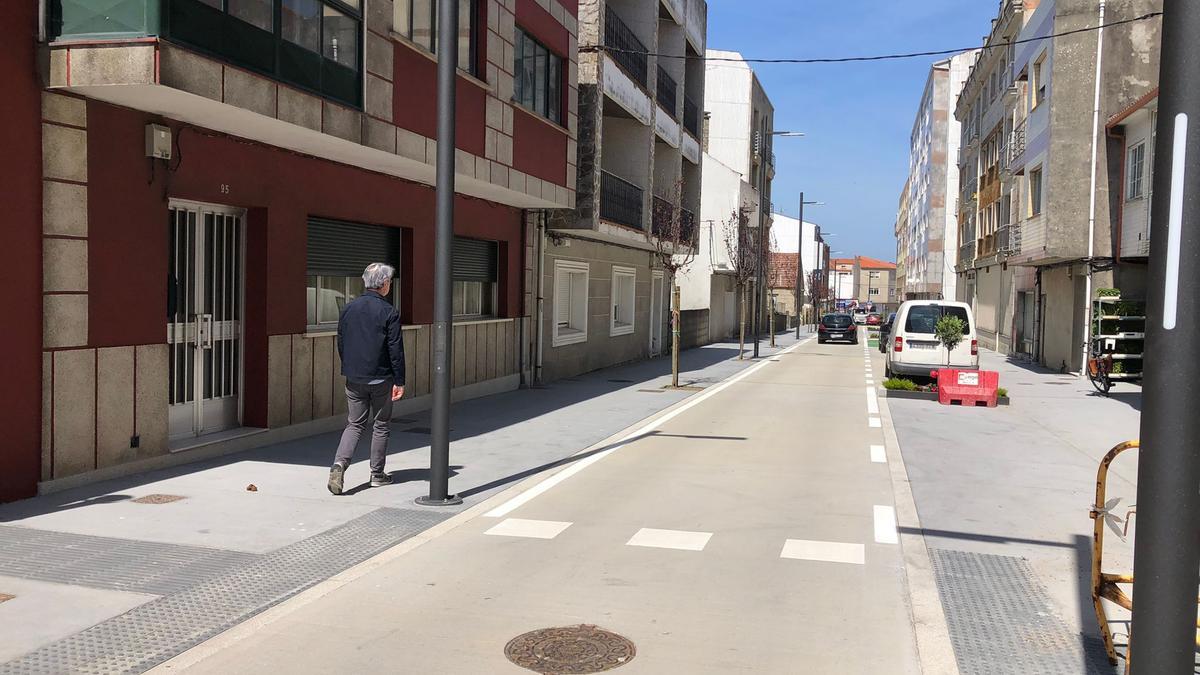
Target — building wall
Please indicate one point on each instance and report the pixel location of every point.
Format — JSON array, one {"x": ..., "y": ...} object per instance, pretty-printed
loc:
[
  {"x": 21, "y": 246},
  {"x": 600, "y": 349}
]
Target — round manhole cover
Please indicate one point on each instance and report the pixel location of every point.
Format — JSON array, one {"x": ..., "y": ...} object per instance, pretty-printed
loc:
[{"x": 569, "y": 650}]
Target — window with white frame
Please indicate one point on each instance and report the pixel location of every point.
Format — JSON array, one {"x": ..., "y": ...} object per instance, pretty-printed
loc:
[
  {"x": 624, "y": 280},
  {"x": 1136, "y": 172},
  {"x": 1039, "y": 84},
  {"x": 1035, "y": 192},
  {"x": 570, "y": 302}
]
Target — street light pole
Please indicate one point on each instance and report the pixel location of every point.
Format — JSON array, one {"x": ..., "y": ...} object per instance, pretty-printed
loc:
[
  {"x": 443, "y": 355},
  {"x": 1167, "y": 550}
]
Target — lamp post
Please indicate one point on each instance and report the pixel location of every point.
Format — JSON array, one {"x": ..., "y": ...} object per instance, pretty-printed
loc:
[
  {"x": 439, "y": 445},
  {"x": 800, "y": 261}
]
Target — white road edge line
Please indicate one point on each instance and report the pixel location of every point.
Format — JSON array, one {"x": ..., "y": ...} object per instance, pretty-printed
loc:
[
  {"x": 885, "y": 525},
  {"x": 872, "y": 402},
  {"x": 873, "y": 422},
  {"x": 544, "y": 486},
  {"x": 878, "y": 454}
]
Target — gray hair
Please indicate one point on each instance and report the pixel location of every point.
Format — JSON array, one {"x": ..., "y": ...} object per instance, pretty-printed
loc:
[{"x": 377, "y": 274}]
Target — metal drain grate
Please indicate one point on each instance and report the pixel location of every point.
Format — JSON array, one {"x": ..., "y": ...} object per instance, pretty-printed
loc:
[
  {"x": 1001, "y": 621},
  {"x": 154, "y": 632},
  {"x": 158, "y": 499},
  {"x": 570, "y": 650}
]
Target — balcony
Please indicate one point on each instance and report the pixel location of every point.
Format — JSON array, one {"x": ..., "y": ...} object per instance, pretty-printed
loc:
[
  {"x": 691, "y": 117},
  {"x": 664, "y": 227},
  {"x": 620, "y": 201},
  {"x": 966, "y": 253},
  {"x": 668, "y": 92},
  {"x": 1004, "y": 240},
  {"x": 1016, "y": 145},
  {"x": 625, "y": 48}
]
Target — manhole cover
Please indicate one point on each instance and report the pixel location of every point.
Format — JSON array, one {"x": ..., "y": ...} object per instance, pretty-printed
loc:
[
  {"x": 570, "y": 649},
  {"x": 4, "y": 597},
  {"x": 157, "y": 499}
]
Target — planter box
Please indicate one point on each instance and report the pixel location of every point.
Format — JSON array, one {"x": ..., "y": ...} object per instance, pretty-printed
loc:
[{"x": 924, "y": 395}]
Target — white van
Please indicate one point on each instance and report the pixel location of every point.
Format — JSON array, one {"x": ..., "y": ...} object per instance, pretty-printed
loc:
[{"x": 913, "y": 348}]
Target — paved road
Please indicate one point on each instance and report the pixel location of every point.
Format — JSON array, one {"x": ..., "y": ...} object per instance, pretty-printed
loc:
[{"x": 748, "y": 529}]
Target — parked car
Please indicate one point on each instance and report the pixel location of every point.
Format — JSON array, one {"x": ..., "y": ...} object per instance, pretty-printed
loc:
[
  {"x": 913, "y": 347},
  {"x": 874, "y": 319},
  {"x": 838, "y": 327},
  {"x": 860, "y": 316},
  {"x": 884, "y": 331}
]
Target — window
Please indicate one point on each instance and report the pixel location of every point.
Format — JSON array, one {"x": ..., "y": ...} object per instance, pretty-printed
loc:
[
  {"x": 1136, "y": 189},
  {"x": 873, "y": 291},
  {"x": 874, "y": 275},
  {"x": 417, "y": 21},
  {"x": 923, "y": 318},
  {"x": 538, "y": 84},
  {"x": 1035, "y": 192},
  {"x": 570, "y": 302},
  {"x": 1039, "y": 85},
  {"x": 338, "y": 252},
  {"x": 311, "y": 44},
  {"x": 475, "y": 264},
  {"x": 624, "y": 279}
]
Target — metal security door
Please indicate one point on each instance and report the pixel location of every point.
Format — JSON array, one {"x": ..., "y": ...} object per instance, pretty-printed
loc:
[{"x": 204, "y": 311}]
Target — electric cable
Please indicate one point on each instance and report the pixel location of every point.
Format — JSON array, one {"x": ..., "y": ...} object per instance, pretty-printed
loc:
[{"x": 586, "y": 49}]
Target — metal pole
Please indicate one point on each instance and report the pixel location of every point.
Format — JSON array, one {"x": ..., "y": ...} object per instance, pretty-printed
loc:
[
  {"x": 443, "y": 356},
  {"x": 800, "y": 267},
  {"x": 1167, "y": 550}
]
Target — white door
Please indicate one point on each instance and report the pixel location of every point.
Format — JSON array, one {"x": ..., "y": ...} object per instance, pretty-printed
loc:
[
  {"x": 204, "y": 312},
  {"x": 657, "y": 293}
]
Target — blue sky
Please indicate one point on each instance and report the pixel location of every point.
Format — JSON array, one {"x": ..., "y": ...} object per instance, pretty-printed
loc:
[{"x": 857, "y": 116}]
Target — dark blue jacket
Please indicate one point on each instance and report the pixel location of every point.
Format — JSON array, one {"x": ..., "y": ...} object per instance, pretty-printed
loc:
[{"x": 369, "y": 340}]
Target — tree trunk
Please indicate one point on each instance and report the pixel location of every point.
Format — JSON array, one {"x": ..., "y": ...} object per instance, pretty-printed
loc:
[
  {"x": 674, "y": 333},
  {"x": 771, "y": 318},
  {"x": 742, "y": 322}
]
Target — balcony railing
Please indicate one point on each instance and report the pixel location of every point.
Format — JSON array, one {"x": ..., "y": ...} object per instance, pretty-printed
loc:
[
  {"x": 668, "y": 92},
  {"x": 626, "y": 49},
  {"x": 691, "y": 117},
  {"x": 1003, "y": 238},
  {"x": 966, "y": 253},
  {"x": 1016, "y": 146},
  {"x": 663, "y": 227},
  {"x": 620, "y": 201}
]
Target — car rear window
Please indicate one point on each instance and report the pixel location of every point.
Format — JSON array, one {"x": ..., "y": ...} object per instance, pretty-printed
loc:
[
  {"x": 924, "y": 318},
  {"x": 836, "y": 321}
]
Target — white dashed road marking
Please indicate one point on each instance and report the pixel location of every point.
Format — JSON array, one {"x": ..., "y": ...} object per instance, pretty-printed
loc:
[
  {"x": 885, "y": 525},
  {"x": 878, "y": 455},
  {"x": 873, "y": 422},
  {"x": 677, "y": 539},
  {"x": 535, "y": 529},
  {"x": 872, "y": 401},
  {"x": 823, "y": 551}
]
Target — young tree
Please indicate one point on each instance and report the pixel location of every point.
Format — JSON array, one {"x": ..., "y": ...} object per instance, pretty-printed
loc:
[
  {"x": 739, "y": 246},
  {"x": 676, "y": 239}
]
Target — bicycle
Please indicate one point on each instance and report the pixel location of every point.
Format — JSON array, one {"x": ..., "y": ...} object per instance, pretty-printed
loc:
[{"x": 1099, "y": 366}]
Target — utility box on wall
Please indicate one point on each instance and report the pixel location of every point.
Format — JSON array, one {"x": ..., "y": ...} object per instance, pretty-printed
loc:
[{"x": 158, "y": 141}]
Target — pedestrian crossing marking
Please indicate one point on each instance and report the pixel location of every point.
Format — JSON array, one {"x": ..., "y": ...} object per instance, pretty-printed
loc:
[
  {"x": 824, "y": 551},
  {"x": 676, "y": 539},
  {"x": 534, "y": 529}
]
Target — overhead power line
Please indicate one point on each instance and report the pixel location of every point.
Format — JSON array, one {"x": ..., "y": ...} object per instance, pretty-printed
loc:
[{"x": 876, "y": 57}]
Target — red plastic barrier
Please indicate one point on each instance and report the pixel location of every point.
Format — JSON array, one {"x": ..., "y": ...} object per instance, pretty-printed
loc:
[{"x": 967, "y": 387}]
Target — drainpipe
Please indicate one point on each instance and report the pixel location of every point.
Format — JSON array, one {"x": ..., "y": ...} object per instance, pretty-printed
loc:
[
  {"x": 541, "y": 289},
  {"x": 1119, "y": 135},
  {"x": 1087, "y": 295}
]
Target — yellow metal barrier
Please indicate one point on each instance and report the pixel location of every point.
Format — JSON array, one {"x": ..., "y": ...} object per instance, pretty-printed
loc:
[{"x": 1106, "y": 586}]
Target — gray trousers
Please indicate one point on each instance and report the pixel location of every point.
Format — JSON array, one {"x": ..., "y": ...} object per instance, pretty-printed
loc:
[{"x": 366, "y": 404}]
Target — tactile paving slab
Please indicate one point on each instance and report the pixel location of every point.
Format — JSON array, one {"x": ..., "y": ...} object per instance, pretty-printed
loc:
[
  {"x": 154, "y": 632},
  {"x": 110, "y": 563},
  {"x": 1001, "y": 621}
]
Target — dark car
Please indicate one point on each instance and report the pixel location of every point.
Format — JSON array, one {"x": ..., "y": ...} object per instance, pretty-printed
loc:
[
  {"x": 839, "y": 327},
  {"x": 885, "y": 332}
]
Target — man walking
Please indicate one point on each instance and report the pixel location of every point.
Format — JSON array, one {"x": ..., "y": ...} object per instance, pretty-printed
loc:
[{"x": 372, "y": 354}]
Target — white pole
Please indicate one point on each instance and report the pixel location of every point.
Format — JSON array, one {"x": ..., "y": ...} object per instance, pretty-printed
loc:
[{"x": 1087, "y": 295}]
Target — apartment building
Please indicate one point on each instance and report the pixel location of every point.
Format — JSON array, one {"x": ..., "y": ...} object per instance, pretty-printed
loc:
[
  {"x": 931, "y": 224},
  {"x": 874, "y": 284},
  {"x": 900, "y": 230},
  {"x": 1027, "y": 264},
  {"x": 641, "y": 82},
  {"x": 841, "y": 280},
  {"x": 787, "y": 236},
  {"x": 211, "y": 177},
  {"x": 738, "y": 167}
]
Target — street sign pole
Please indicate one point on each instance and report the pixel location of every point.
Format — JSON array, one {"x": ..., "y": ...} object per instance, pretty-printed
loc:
[
  {"x": 443, "y": 355},
  {"x": 1167, "y": 550},
  {"x": 800, "y": 268}
]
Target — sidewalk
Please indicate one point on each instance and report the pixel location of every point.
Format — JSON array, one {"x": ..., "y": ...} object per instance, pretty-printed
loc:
[
  {"x": 149, "y": 580},
  {"x": 1003, "y": 496}
]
